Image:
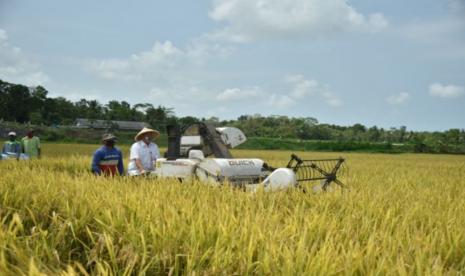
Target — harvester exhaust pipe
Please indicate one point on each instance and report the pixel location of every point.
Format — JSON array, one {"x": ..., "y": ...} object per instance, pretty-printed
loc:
[{"x": 174, "y": 142}]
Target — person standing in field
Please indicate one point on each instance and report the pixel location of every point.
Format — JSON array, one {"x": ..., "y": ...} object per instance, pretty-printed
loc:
[
  {"x": 31, "y": 145},
  {"x": 108, "y": 160},
  {"x": 12, "y": 147},
  {"x": 144, "y": 153}
]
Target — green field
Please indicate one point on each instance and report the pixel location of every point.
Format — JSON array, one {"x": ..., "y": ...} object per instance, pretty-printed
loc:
[{"x": 404, "y": 214}]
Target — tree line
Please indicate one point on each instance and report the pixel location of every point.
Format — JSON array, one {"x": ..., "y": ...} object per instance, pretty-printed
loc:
[{"x": 22, "y": 104}]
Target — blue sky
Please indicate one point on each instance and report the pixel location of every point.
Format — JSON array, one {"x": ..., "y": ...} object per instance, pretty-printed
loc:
[{"x": 377, "y": 62}]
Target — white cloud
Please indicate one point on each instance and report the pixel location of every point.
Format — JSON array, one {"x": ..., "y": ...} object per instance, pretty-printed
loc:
[
  {"x": 281, "y": 101},
  {"x": 186, "y": 99},
  {"x": 163, "y": 61},
  {"x": 304, "y": 88},
  {"x": 16, "y": 67},
  {"x": 237, "y": 94},
  {"x": 398, "y": 99},
  {"x": 256, "y": 19},
  {"x": 300, "y": 90},
  {"x": 446, "y": 91},
  {"x": 166, "y": 74},
  {"x": 162, "y": 55},
  {"x": 331, "y": 99}
]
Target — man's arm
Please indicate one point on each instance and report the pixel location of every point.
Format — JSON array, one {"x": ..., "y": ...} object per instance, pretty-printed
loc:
[
  {"x": 95, "y": 162},
  {"x": 139, "y": 166},
  {"x": 120, "y": 164},
  {"x": 39, "y": 152},
  {"x": 18, "y": 150}
]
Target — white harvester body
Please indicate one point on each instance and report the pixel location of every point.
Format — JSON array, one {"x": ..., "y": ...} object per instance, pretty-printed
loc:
[
  {"x": 239, "y": 172},
  {"x": 247, "y": 173},
  {"x": 187, "y": 159}
]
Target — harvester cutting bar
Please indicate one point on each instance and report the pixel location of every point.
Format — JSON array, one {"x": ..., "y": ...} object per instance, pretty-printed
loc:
[{"x": 326, "y": 170}]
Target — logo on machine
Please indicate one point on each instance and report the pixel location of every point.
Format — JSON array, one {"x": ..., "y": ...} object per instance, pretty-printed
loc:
[{"x": 241, "y": 163}]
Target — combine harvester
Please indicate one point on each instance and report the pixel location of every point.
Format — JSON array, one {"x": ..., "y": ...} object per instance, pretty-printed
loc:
[{"x": 190, "y": 148}]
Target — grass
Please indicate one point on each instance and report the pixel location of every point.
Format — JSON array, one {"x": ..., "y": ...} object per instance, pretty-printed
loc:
[{"x": 404, "y": 215}]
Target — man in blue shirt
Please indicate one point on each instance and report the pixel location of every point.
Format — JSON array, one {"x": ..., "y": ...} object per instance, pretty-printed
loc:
[
  {"x": 12, "y": 147},
  {"x": 108, "y": 160}
]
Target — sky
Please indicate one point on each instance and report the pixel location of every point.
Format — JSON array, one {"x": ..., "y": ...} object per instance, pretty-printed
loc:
[{"x": 388, "y": 63}]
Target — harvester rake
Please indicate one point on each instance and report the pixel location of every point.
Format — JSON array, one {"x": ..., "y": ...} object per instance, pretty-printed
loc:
[{"x": 325, "y": 170}]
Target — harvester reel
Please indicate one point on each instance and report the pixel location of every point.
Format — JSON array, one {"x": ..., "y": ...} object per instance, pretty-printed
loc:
[{"x": 325, "y": 170}]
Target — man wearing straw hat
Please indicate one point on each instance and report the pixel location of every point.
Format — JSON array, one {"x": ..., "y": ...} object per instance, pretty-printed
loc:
[
  {"x": 144, "y": 153},
  {"x": 108, "y": 160}
]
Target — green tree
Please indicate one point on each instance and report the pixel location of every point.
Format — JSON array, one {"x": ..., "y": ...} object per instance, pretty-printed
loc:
[
  {"x": 453, "y": 136},
  {"x": 160, "y": 116},
  {"x": 118, "y": 111},
  {"x": 188, "y": 120},
  {"x": 18, "y": 100},
  {"x": 373, "y": 134}
]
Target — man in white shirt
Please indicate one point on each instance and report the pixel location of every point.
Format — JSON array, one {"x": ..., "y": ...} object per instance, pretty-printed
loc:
[{"x": 143, "y": 153}]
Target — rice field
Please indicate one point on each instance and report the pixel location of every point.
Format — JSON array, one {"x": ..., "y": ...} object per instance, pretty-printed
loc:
[{"x": 404, "y": 215}]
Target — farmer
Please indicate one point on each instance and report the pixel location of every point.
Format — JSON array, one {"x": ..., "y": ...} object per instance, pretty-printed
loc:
[
  {"x": 108, "y": 160},
  {"x": 31, "y": 145},
  {"x": 12, "y": 147},
  {"x": 144, "y": 153}
]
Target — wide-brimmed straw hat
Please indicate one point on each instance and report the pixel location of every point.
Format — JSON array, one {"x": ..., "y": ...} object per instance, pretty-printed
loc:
[
  {"x": 108, "y": 137},
  {"x": 146, "y": 130}
]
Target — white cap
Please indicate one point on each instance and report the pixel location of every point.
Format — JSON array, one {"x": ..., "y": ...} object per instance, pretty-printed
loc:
[{"x": 12, "y": 133}]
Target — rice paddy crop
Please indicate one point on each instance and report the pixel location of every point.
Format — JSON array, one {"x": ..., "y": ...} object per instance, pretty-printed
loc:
[{"x": 404, "y": 215}]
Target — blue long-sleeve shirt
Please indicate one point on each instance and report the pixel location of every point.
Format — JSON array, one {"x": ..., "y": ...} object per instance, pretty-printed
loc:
[
  {"x": 12, "y": 148},
  {"x": 108, "y": 161}
]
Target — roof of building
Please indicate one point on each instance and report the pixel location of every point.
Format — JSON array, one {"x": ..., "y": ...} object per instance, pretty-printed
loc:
[{"x": 104, "y": 124}]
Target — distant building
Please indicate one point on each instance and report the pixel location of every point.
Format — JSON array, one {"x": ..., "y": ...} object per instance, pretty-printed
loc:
[{"x": 104, "y": 124}]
